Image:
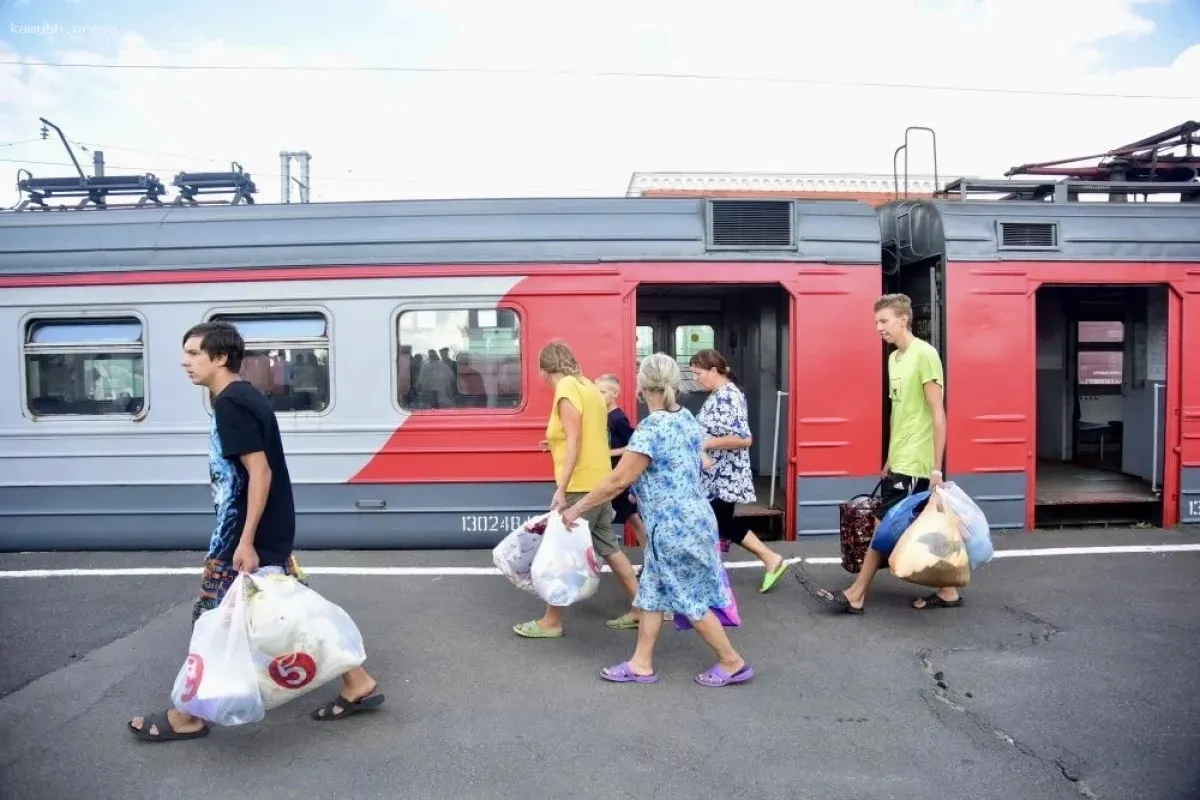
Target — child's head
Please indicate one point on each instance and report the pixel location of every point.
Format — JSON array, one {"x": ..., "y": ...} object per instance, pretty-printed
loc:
[{"x": 610, "y": 388}]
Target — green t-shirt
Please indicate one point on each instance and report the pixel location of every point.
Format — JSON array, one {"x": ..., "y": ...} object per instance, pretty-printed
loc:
[{"x": 910, "y": 450}]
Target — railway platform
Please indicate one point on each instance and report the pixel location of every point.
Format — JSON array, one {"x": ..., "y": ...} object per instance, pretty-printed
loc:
[{"x": 1070, "y": 671}]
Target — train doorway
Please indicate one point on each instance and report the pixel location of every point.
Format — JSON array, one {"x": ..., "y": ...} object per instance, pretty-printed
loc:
[
  {"x": 1100, "y": 405},
  {"x": 749, "y": 325},
  {"x": 922, "y": 280}
]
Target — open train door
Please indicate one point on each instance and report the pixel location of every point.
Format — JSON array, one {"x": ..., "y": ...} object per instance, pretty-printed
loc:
[{"x": 749, "y": 323}]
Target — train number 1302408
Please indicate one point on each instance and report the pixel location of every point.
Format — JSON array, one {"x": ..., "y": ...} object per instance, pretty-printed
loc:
[{"x": 491, "y": 523}]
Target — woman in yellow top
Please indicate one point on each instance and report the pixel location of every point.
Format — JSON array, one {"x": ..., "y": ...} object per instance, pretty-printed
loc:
[{"x": 577, "y": 437}]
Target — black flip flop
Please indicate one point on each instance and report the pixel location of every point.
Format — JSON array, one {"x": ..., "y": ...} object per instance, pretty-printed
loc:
[
  {"x": 838, "y": 602},
  {"x": 166, "y": 732},
  {"x": 933, "y": 601},
  {"x": 326, "y": 713}
]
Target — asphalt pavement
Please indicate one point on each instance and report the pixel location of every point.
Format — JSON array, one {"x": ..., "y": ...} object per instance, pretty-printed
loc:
[{"x": 1062, "y": 676}]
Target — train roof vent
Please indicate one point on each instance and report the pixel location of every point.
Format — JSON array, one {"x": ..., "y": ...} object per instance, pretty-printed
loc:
[
  {"x": 750, "y": 225},
  {"x": 1028, "y": 235}
]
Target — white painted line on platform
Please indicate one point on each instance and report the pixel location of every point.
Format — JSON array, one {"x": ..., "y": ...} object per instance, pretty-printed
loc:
[{"x": 392, "y": 572}]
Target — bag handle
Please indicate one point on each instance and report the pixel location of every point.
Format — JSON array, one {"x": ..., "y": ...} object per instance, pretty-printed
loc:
[
  {"x": 872, "y": 493},
  {"x": 529, "y": 523}
]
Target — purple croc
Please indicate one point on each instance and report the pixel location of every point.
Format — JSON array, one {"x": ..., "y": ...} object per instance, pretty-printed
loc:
[
  {"x": 623, "y": 673},
  {"x": 716, "y": 676}
]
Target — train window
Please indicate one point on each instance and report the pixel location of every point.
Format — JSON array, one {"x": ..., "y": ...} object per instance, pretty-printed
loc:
[
  {"x": 458, "y": 358},
  {"x": 81, "y": 367},
  {"x": 689, "y": 340},
  {"x": 644, "y": 343},
  {"x": 1100, "y": 367},
  {"x": 287, "y": 358},
  {"x": 1095, "y": 332}
]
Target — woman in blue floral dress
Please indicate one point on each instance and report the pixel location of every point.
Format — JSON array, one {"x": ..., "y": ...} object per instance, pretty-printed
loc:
[
  {"x": 683, "y": 570},
  {"x": 727, "y": 476}
]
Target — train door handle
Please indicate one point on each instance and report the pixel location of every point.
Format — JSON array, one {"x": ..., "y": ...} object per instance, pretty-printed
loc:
[{"x": 375, "y": 505}]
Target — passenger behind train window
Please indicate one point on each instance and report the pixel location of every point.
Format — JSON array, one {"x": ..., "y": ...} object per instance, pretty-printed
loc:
[
  {"x": 85, "y": 367},
  {"x": 458, "y": 358},
  {"x": 287, "y": 358}
]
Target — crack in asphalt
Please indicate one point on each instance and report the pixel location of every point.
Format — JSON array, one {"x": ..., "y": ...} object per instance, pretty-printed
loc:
[
  {"x": 1069, "y": 770},
  {"x": 1050, "y": 630},
  {"x": 941, "y": 691}
]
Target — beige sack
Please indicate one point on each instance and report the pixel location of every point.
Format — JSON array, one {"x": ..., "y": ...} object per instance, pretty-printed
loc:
[{"x": 932, "y": 552}]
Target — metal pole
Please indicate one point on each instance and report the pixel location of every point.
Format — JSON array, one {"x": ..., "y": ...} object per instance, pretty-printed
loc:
[
  {"x": 285, "y": 187},
  {"x": 775, "y": 448},
  {"x": 63, "y": 138},
  {"x": 304, "y": 158},
  {"x": 1154, "y": 442}
]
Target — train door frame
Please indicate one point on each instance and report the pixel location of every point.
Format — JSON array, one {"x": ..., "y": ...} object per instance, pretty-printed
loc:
[
  {"x": 1040, "y": 274},
  {"x": 749, "y": 277}
]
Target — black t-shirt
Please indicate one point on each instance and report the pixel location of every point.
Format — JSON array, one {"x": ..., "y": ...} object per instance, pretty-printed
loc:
[
  {"x": 619, "y": 431},
  {"x": 243, "y": 422}
]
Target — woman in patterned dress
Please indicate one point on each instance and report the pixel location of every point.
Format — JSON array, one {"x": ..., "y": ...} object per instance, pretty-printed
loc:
[
  {"x": 727, "y": 476},
  {"x": 682, "y": 573}
]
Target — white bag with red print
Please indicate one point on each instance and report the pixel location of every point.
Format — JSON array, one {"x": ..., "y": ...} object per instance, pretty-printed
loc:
[
  {"x": 515, "y": 553},
  {"x": 299, "y": 640},
  {"x": 218, "y": 682}
]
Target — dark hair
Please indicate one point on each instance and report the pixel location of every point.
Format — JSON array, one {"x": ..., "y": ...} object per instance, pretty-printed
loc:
[
  {"x": 220, "y": 339},
  {"x": 711, "y": 359}
]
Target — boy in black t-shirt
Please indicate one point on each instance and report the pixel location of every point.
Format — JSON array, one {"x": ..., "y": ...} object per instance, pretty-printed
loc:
[
  {"x": 256, "y": 515},
  {"x": 619, "y": 432}
]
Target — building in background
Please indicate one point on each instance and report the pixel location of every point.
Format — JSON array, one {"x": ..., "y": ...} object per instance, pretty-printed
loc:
[{"x": 871, "y": 189}]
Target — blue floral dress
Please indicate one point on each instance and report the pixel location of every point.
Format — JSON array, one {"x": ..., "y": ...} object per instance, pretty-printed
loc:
[
  {"x": 724, "y": 414},
  {"x": 682, "y": 571}
]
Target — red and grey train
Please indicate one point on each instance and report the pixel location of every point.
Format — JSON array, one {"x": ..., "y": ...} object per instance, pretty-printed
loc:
[{"x": 398, "y": 341}]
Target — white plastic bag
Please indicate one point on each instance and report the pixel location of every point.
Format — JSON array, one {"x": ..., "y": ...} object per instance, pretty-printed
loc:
[
  {"x": 975, "y": 530},
  {"x": 299, "y": 640},
  {"x": 932, "y": 552},
  {"x": 515, "y": 553},
  {"x": 218, "y": 681},
  {"x": 564, "y": 570}
]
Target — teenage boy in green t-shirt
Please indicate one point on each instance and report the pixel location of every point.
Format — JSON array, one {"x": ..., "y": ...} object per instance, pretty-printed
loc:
[{"x": 917, "y": 443}]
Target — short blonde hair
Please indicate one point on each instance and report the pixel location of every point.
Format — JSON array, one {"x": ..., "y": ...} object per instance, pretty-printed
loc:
[
  {"x": 901, "y": 304},
  {"x": 557, "y": 359},
  {"x": 609, "y": 378},
  {"x": 659, "y": 374}
]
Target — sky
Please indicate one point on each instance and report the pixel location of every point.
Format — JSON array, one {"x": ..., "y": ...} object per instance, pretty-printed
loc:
[{"x": 478, "y": 98}]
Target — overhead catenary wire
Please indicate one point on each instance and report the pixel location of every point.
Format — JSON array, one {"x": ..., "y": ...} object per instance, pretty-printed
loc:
[{"x": 531, "y": 72}]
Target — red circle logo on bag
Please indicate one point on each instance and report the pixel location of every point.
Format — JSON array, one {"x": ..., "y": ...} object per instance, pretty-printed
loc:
[
  {"x": 293, "y": 671},
  {"x": 591, "y": 560},
  {"x": 193, "y": 674}
]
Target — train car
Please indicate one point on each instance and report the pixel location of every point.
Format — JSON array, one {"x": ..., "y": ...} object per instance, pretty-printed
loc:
[
  {"x": 398, "y": 341},
  {"x": 1062, "y": 325}
]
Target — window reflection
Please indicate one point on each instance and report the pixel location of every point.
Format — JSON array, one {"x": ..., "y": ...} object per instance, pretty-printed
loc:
[
  {"x": 458, "y": 358},
  {"x": 287, "y": 358},
  {"x": 85, "y": 367}
]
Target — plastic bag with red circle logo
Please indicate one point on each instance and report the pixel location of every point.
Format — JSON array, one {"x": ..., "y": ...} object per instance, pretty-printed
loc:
[
  {"x": 299, "y": 640},
  {"x": 515, "y": 553},
  {"x": 565, "y": 570},
  {"x": 218, "y": 682}
]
